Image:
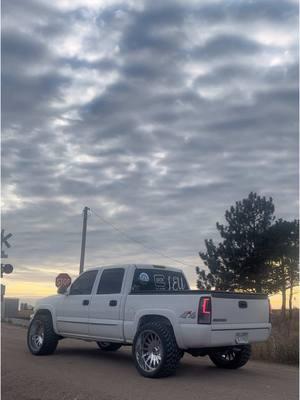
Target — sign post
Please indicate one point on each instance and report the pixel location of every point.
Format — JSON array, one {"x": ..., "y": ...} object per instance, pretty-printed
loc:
[{"x": 83, "y": 239}]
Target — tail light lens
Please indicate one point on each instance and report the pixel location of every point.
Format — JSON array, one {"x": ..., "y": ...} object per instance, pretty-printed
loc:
[
  {"x": 204, "y": 312},
  {"x": 270, "y": 311}
]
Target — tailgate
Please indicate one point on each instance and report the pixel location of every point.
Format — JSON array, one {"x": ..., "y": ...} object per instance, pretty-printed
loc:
[{"x": 239, "y": 308}]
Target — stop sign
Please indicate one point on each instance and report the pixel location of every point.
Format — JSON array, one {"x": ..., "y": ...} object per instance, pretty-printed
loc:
[{"x": 63, "y": 280}]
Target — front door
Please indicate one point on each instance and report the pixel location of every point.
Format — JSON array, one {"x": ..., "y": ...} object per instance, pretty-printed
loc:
[
  {"x": 105, "y": 309},
  {"x": 73, "y": 312}
]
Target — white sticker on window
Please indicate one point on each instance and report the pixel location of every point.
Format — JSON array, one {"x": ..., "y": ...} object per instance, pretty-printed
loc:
[
  {"x": 144, "y": 277},
  {"x": 175, "y": 283},
  {"x": 159, "y": 281}
]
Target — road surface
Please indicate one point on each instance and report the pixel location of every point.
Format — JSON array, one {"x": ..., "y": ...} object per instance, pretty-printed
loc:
[{"x": 80, "y": 371}]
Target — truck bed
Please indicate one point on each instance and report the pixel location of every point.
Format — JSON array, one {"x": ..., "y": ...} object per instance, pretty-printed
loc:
[
  {"x": 213, "y": 293},
  {"x": 236, "y": 318}
]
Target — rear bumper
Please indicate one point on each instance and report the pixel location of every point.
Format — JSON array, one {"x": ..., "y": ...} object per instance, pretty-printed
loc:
[
  {"x": 227, "y": 337},
  {"x": 197, "y": 335}
]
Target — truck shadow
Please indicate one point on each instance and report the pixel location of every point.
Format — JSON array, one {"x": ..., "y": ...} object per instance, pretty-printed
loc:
[
  {"x": 206, "y": 371},
  {"x": 95, "y": 353},
  {"x": 189, "y": 367}
]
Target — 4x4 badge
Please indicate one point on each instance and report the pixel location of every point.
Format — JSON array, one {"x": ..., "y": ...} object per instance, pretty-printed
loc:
[{"x": 188, "y": 314}]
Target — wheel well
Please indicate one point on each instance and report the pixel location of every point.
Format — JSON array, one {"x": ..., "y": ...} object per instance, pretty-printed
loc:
[
  {"x": 157, "y": 318},
  {"x": 47, "y": 313},
  {"x": 153, "y": 317},
  {"x": 44, "y": 312}
]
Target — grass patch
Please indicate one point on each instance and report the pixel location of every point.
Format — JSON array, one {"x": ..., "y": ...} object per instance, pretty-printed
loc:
[{"x": 283, "y": 344}]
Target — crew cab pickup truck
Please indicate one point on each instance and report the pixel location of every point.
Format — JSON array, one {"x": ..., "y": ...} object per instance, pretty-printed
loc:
[{"x": 152, "y": 309}]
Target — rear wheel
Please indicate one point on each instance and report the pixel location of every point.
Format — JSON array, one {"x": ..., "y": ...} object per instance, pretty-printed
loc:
[
  {"x": 232, "y": 358},
  {"x": 109, "y": 346},
  {"x": 41, "y": 338},
  {"x": 155, "y": 350}
]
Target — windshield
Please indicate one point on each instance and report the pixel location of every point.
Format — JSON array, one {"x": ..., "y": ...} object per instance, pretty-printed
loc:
[{"x": 158, "y": 280}]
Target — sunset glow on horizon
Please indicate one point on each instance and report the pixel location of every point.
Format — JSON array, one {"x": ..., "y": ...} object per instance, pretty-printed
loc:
[{"x": 27, "y": 290}]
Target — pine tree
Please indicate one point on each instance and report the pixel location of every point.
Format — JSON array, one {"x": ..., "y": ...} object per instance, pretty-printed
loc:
[
  {"x": 283, "y": 248},
  {"x": 240, "y": 260}
]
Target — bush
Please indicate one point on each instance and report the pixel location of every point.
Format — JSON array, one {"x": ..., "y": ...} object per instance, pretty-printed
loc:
[{"x": 283, "y": 344}]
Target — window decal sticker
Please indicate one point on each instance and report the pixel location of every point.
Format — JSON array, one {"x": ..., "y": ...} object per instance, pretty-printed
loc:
[
  {"x": 144, "y": 277},
  {"x": 175, "y": 283},
  {"x": 159, "y": 281}
]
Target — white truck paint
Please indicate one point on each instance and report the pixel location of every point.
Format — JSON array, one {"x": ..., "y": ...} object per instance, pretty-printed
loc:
[{"x": 120, "y": 299}]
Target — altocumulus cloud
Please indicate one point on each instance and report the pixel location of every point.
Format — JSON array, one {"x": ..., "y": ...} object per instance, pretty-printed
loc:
[{"x": 159, "y": 115}]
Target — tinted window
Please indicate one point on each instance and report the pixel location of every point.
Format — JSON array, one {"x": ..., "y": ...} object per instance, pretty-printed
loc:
[
  {"x": 84, "y": 283},
  {"x": 111, "y": 281},
  {"x": 158, "y": 279}
]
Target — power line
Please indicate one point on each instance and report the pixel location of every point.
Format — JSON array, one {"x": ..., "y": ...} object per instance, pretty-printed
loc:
[{"x": 128, "y": 237}]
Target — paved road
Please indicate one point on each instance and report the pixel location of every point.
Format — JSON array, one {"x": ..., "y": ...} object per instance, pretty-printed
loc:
[{"x": 80, "y": 371}]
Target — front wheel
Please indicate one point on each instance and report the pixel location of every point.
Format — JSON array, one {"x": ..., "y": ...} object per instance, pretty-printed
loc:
[
  {"x": 155, "y": 350},
  {"x": 232, "y": 358},
  {"x": 41, "y": 338},
  {"x": 109, "y": 346}
]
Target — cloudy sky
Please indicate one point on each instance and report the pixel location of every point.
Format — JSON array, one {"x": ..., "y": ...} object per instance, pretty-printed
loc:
[{"x": 157, "y": 115}]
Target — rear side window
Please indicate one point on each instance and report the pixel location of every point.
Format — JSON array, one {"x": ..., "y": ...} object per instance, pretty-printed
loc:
[
  {"x": 111, "y": 281},
  {"x": 84, "y": 283},
  {"x": 158, "y": 280}
]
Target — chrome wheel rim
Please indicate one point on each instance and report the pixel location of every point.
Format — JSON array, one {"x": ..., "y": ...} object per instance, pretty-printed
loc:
[
  {"x": 228, "y": 355},
  {"x": 148, "y": 351},
  {"x": 104, "y": 344},
  {"x": 36, "y": 335}
]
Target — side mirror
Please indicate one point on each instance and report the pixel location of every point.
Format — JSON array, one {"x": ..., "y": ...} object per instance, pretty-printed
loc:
[{"x": 63, "y": 290}]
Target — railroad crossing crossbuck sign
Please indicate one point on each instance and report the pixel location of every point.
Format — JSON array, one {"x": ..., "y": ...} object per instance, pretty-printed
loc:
[
  {"x": 4, "y": 242},
  {"x": 5, "y": 268}
]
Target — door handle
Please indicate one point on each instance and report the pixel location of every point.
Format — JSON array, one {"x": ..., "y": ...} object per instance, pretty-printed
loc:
[
  {"x": 113, "y": 303},
  {"x": 85, "y": 302},
  {"x": 243, "y": 304}
]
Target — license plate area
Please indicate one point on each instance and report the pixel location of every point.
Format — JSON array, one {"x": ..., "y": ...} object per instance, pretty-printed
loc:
[{"x": 241, "y": 338}]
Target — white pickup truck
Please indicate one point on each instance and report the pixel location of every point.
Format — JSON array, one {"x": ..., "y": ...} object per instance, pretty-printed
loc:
[{"x": 152, "y": 308}]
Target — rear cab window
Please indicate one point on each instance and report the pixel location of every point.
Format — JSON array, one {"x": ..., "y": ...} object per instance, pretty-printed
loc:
[{"x": 158, "y": 279}]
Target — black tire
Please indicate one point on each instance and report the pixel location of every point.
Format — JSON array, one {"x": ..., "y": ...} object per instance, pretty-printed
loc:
[
  {"x": 49, "y": 339},
  {"x": 169, "y": 352},
  {"x": 108, "y": 346},
  {"x": 232, "y": 358}
]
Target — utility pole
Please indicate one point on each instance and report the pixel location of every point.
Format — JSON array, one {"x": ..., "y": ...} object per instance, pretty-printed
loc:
[{"x": 83, "y": 240}]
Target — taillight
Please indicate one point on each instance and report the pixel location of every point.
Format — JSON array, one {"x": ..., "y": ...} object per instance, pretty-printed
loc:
[
  {"x": 204, "y": 312},
  {"x": 270, "y": 310}
]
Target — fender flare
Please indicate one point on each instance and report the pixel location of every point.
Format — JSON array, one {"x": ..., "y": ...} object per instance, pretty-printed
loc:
[
  {"x": 165, "y": 313},
  {"x": 47, "y": 309}
]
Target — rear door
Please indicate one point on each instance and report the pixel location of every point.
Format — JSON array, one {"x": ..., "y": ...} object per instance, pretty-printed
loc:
[{"x": 105, "y": 320}]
